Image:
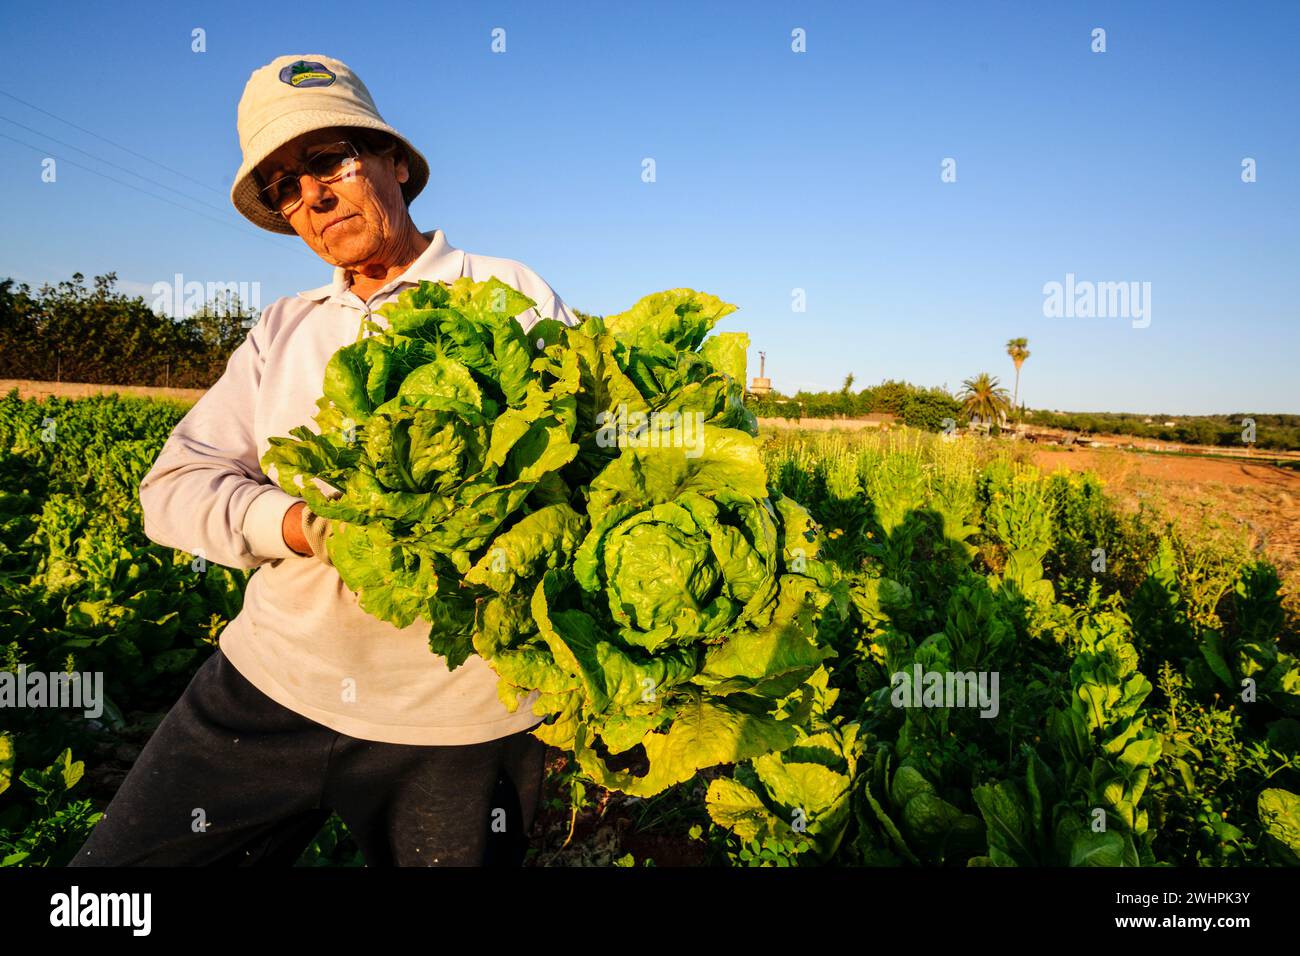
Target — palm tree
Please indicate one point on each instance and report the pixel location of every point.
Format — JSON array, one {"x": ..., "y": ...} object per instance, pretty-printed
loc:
[
  {"x": 983, "y": 398},
  {"x": 1019, "y": 351}
]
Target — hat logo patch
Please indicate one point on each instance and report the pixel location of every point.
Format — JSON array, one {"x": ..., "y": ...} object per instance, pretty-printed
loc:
[{"x": 306, "y": 73}]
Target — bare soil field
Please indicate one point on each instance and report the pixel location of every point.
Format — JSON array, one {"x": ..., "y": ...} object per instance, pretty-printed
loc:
[
  {"x": 31, "y": 389},
  {"x": 1262, "y": 500},
  {"x": 819, "y": 424}
]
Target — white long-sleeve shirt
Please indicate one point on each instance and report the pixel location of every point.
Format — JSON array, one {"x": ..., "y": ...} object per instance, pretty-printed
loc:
[{"x": 301, "y": 637}]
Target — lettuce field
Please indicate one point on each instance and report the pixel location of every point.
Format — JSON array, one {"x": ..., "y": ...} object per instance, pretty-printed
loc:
[{"x": 1006, "y": 667}]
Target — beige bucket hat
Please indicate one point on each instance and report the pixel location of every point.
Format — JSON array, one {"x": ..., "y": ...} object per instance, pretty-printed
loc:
[{"x": 293, "y": 95}]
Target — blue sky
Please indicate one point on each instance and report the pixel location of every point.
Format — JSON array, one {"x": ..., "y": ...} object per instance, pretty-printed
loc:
[{"x": 775, "y": 171}]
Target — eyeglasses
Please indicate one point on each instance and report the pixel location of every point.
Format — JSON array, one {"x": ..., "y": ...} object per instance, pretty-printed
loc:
[{"x": 326, "y": 165}]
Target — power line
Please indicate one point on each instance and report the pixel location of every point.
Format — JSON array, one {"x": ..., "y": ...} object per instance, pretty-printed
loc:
[
  {"x": 147, "y": 159},
  {"x": 174, "y": 172},
  {"x": 129, "y": 172},
  {"x": 170, "y": 202}
]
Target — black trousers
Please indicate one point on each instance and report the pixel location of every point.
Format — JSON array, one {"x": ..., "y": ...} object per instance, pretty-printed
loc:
[{"x": 231, "y": 777}]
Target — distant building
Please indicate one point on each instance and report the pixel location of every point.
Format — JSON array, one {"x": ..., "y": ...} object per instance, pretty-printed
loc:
[{"x": 761, "y": 386}]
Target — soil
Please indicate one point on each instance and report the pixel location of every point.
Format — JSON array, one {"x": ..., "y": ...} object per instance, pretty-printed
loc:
[
  {"x": 1262, "y": 500},
  {"x": 609, "y": 829},
  {"x": 821, "y": 424},
  {"x": 38, "y": 390}
]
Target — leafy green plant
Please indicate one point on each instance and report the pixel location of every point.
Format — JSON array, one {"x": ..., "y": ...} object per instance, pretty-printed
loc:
[
  {"x": 1279, "y": 812},
  {"x": 46, "y": 827},
  {"x": 643, "y": 588},
  {"x": 798, "y": 801},
  {"x": 332, "y": 846},
  {"x": 1210, "y": 774},
  {"x": 766, "y": 656}
]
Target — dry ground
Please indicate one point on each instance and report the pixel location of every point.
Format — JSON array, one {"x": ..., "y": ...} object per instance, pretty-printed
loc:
[
  {"x": 1262, "y": 500},
  {"x": 38, "y": 390}
]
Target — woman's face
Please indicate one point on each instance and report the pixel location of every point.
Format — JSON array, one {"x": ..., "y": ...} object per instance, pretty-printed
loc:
[{"x": 357, "y": 219}]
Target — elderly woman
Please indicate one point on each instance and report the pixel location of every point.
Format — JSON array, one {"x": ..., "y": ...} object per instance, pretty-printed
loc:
[{"x": 310, "y": 705}]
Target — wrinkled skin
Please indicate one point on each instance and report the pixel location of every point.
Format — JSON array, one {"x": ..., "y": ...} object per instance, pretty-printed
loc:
[{"x": 360, "y": 221}]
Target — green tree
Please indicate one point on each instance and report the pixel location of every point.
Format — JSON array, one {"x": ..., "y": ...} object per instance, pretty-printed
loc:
[
  {"x": 983, "y": 398},
  {"x": 1018, "y": 349},
  {"x": 77, "y": 333}
]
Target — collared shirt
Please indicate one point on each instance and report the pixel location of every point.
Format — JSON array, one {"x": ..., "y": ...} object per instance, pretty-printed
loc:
[
  {"x": 301, "y": 637},
  {"x": 443, "y": 262}
]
